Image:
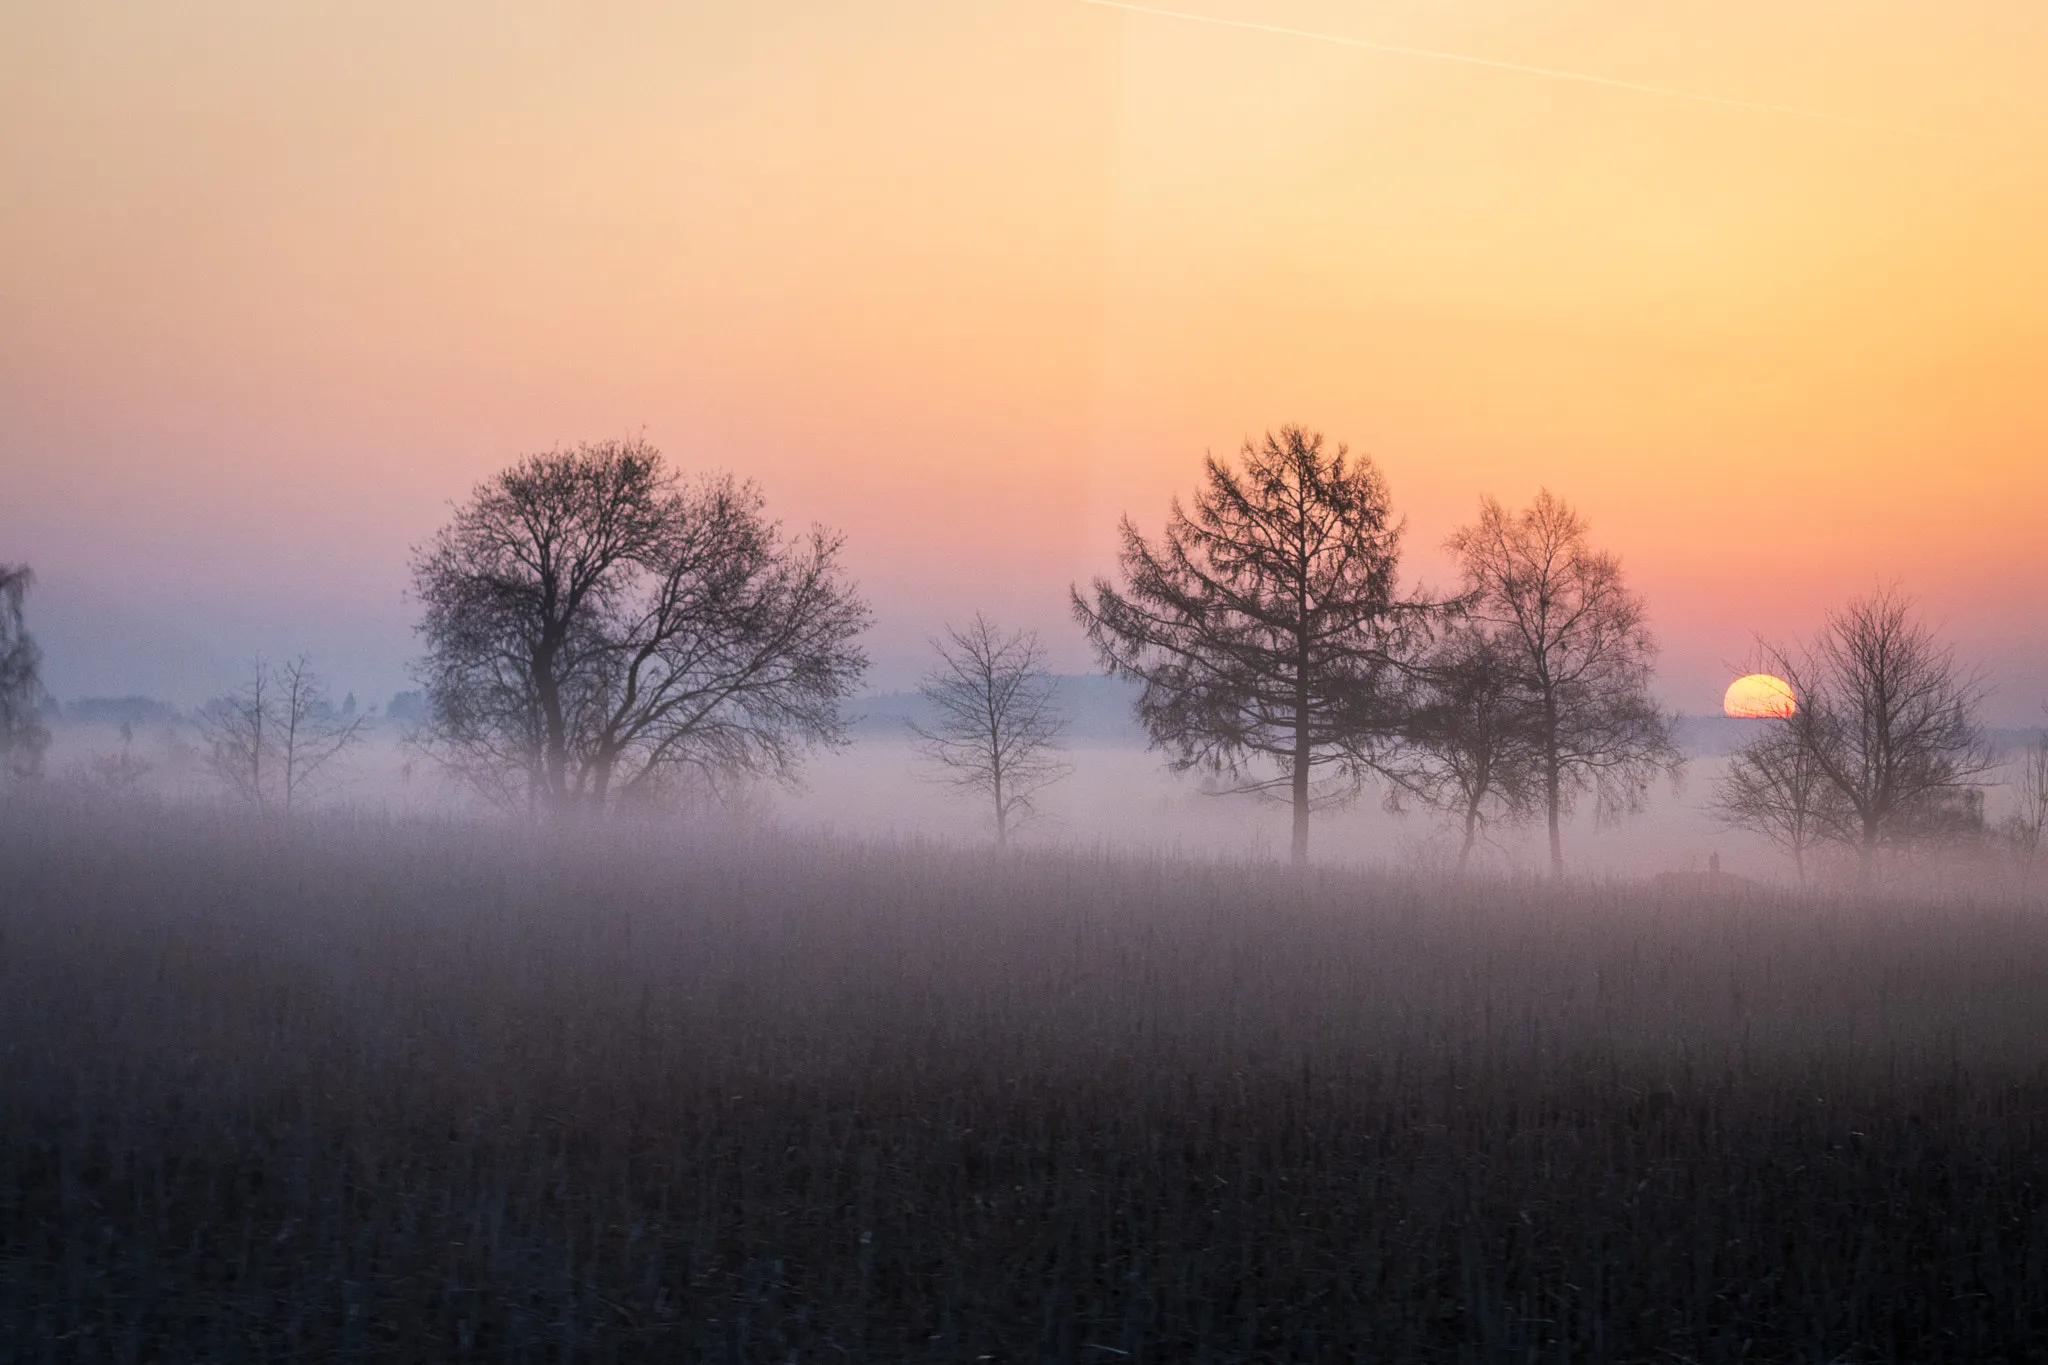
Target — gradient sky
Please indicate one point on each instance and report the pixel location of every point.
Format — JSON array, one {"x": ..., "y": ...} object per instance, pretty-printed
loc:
[{"x": 968, "y": 278}]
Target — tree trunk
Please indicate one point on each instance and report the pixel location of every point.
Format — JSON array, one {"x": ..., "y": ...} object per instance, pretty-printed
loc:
[
  {"x": 256, "y": 750},
  {"x": 1301, "y": 790},
  {"x": 291, "y": 747},
  {"x": 1553, "y": 786},
  {"x": 1300, "y": 842},
  {"x": 1471, "y": 835},
  {"x": 555, "y": 753},
  {"x": 1301, "y": 731},
  {"x": 1552, "y": 797}
]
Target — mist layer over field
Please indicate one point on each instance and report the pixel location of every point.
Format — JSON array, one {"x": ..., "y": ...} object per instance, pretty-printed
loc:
[
  {"x": 1119, "y": 795},
  {"x": 444, "y": 1089}
]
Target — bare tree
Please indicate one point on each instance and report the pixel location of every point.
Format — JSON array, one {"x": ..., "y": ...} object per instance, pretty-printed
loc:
[
  {"x": 1888, "y": 716},
  {"x": 593, "y": 627},
  {"x": 997, "y": 728},
  {"x": 309, "y": 731},
  {"x": 23, "y": 736},
  {"x": 1477, "y": 735},
  {"x": 269, "y": 740},
  {"x": 1775, "y": 788},
  {"x": 1583, "y": 654},
  {"x": 239, "y": 739},
  {"x": 1265, "y": 626}
]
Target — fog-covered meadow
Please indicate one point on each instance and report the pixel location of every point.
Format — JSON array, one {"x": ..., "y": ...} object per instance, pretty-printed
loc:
[
  {"x": 826, "y": 1077},
  {"x": 815, "y": 1070},
  {"x": 1118, "y": 796}
]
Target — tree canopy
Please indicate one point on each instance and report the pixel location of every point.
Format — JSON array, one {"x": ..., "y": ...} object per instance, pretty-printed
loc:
[
  {"x": 597, "y": 627},
  {"x": 1265, "y": 626},
  {"x": 1582, "y": 654},
  {"x": 1885, "y": 727}
]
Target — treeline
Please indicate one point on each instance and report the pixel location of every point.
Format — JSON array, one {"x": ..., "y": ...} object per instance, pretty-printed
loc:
[{"x": 601, "y": 632}]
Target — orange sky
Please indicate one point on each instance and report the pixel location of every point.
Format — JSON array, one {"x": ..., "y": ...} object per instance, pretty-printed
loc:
[{"x": 967, "y": 278}]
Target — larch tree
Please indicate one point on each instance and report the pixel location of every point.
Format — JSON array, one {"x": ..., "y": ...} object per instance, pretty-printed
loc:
[
  {"x": 1265, "y": 626},
  {"x": 1582, "y": 655}
]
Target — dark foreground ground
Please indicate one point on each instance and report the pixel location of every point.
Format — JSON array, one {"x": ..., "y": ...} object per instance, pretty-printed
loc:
[{"x": 355, "y": 1091}]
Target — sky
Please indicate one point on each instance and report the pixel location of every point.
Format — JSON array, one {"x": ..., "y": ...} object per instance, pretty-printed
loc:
[{"x": 969, "y": 279}]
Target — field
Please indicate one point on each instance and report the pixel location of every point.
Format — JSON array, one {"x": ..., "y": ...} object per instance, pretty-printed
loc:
[{"x": 434, "y": 1090}]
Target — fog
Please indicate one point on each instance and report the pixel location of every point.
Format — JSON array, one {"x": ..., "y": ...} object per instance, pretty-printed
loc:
[
  {"x": 816, "y": 1071},
  {"x": 411, "y": 1087},
  {"x": 1120, "y": 796}
]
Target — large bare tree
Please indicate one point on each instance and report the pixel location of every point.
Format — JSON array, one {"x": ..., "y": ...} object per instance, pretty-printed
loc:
[
  {"x": 996, "y": 727},
  {"x": 1582, "y": 651},
  {"x": 1477, "y": 736},
  {"x": 596, "y": 628},
  {"x": 1265, "y": 626},
  {"x": 23, "y": 737},
  {"x": 1888, "y": 715}
]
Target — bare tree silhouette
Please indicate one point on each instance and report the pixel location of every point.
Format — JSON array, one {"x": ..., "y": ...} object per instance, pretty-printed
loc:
[
  {"x": 1888, "y": 716},
  {"x": 997, "y": 727},
  {"x": 268, "y": 741},
  {"x": 310, "y": 732},
  {"x": 1774, "y": 787},
  {"x": 1477, "y": 735},
  {"x": 236, "y": 730},
  {"x": 23, "y": 736},
  {"x": 1265, "y": 626},
  {"x": 1583, "y": 654},
  {"x": 594, "y": 628}
]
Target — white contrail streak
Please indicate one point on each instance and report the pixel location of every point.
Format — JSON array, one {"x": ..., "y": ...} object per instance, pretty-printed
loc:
[{"x": 1433, "y": 55}]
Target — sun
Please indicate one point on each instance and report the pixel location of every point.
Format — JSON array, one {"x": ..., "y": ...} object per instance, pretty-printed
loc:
[{"x": 1759, "y": 696}]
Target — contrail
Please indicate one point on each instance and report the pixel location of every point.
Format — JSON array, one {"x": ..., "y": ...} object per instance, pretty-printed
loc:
[{"x": 1551, "y": 73}]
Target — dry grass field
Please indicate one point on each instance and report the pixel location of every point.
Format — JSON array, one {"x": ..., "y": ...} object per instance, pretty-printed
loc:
[{"x": 354, "y": 1089}]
